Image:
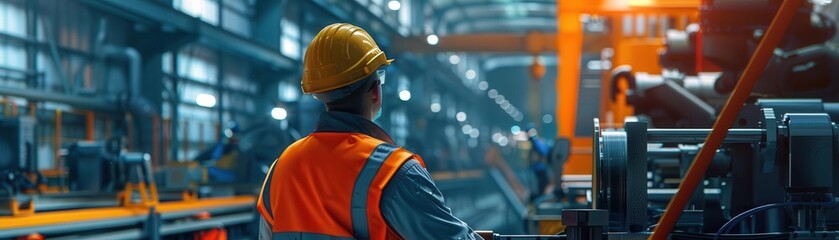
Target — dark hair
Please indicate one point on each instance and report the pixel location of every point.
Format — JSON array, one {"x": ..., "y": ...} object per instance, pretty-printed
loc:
[{"x": 352, "y": 103}]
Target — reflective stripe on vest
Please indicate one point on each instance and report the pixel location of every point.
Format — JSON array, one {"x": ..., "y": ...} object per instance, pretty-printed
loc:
[
  {"x": 266, "y": 191},
  {"x": 362, "y": 185},
  {"x": 306, "y": 236}
]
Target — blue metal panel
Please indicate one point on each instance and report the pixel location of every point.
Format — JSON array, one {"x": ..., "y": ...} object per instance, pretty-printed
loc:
[{"x": 207, "y": 33}]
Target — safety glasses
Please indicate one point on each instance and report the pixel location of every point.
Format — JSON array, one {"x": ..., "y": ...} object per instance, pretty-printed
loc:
[
  {"x": 380, "y": 74},
  {"x": 380, "y": 77}
]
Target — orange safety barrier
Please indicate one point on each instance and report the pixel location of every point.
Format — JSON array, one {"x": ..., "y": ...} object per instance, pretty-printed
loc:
[{"x": 725, "y": 120}]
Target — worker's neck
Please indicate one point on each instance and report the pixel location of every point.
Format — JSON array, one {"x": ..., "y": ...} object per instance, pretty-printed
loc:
[{"x": 365, "y": 116}]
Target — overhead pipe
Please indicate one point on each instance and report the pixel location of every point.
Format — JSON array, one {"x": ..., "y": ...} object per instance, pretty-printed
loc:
[
  {"x": 732, "y": 108},
  {"x": 83, "y": 102}
]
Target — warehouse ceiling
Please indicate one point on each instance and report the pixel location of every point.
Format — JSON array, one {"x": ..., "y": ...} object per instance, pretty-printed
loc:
[{"x": 475, "y": 16}]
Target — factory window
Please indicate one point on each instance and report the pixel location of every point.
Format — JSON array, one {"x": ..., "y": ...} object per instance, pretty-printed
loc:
[
  {"x": 12, "y": 18},
  {"x": 290, "y": 40},
  {"x": 405, "y": 13},
  {"x": 235, "y": 78},
  {"x": 206, "y": 10},
  {"x": 399, "y": 123},
  {"x": 12, "y": 53},
  {"x": 235, "y": 17},
  {"x": 377, "y": 8},
  {"x": 377, "y": 2},
  {"x": 12, "y": 56},
  {"x": 197, "y": 68},
  {"x": 288, "y": 92}
]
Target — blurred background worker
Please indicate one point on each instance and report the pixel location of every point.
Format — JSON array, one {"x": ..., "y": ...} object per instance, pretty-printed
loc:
[
  {"x": 221, "y": 159},
  {"x": 348, "y": 179}
]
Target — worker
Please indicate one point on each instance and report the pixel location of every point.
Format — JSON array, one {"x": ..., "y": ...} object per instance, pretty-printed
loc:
[
  {"x": 221, "y": 159},
  {"x": 348, "y": 179}
]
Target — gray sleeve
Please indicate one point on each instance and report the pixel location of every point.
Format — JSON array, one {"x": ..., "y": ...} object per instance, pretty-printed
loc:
[
  {"x": 264, "y": 229},
  {"x": 413, "y": 206}
]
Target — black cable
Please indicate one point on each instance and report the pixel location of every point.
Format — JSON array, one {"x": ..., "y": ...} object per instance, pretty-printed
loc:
[
  {"x": 737, "y": 219},
  {"x": 686, "y": 235}
]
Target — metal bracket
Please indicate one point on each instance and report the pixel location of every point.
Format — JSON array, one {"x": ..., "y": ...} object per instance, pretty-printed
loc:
[{"x": 770, "y": 123}]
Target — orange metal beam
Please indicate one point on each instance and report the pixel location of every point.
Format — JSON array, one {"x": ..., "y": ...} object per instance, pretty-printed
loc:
[
  {"x": 70, "y": 216},
  {"x": 725, "y": 120},
  {"x": 605, "y": 7},
  {"x": 99, "y": 214},
  {"x": 568, "y": 79},
  {"x": 532, "y": 42}
]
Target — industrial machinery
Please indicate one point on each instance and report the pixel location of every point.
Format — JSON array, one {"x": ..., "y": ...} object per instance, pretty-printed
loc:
[
  {"x": 16, "y": 154},
  {"x": 690, "y": 92},
  {"x": 774, "y": 175},
  {"x": 774, "y": 179},
  {"x": 787, "y": 160},
  {"x": 108, "y": 192}
]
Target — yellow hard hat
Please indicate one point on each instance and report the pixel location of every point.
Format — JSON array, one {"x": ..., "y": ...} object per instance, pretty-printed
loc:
[{"x": 340, "y": 55}]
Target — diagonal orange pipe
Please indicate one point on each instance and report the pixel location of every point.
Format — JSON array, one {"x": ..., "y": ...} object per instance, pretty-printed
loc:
[{"x": 725, "y": 120}]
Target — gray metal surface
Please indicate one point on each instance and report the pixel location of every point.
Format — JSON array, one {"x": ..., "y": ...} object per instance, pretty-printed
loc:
[
  {"x": 169, "y": 229},
  {"x": 810, "y": 151},
  {"x": 688, "y": 136},
  {"x": 636, "y": 176},
  {"x": 214, "y": 211},
  {"x": 610, "y": 192},
  {"x": 222, "y": 221}
]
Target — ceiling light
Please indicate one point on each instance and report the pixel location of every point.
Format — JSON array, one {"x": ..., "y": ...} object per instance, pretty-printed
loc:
[
  {"x": 279, "y": 113},
  {"x": 205, "y": 100},
  {"x": 461, "y": 116},
  {"x": 394, "y": 5},
  {"x": 483, "y": 85},
  {"x": 432, "y": 39},
  {"x": 470, "y": 74},
  {"x": 435, "y": 107},
  {"x": 492, "y": 93},
  {"x": 547, "y": 118},
  {"x": 496, "y": 137},
  {"x": 404, "y": 95},
  {"x": 454, "y": 59},
  {"x": 515, "y": 129}
]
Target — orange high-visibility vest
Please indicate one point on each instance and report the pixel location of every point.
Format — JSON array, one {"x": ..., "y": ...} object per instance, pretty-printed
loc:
[{"x": 329, "y": 185}]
